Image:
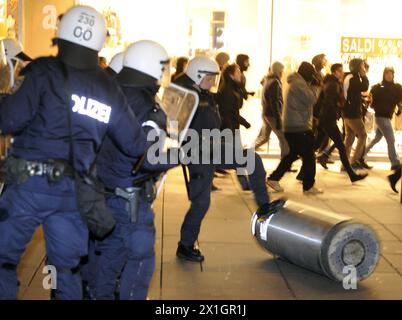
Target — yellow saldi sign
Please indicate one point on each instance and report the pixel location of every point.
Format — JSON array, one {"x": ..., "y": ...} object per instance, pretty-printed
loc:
[{"x": 371, "y": 46}]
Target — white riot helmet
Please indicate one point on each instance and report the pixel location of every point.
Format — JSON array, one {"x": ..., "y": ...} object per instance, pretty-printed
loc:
[
  {"x": 200, "y": 67},
  {"x": 150, "y": 58},
  {"x": 83, "y": 26},
  {"x": 116, "y": 64},
  {"x": 14, "y": 50}
]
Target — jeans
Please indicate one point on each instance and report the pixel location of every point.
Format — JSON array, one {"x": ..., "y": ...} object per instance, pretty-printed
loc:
[
  {"x": 355, "y": 127},
  {"x": 264, "y": 135},
  {"x": 384, "y": 129},
  {"x": 269, "y": 126},
  {"x": 335, "y": 135}
]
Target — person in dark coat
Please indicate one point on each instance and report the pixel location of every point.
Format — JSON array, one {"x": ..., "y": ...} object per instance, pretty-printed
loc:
[
  {"x": 298, "y": 129},
  {"x": 243, "y": 61},
  {"x": 330, "y": 101},
  {"x": 355, "y": 84},
  {"x": 229, "y": 99},
  {"x": 386, "y": 96},
  {"x": 181, "y": 66}
]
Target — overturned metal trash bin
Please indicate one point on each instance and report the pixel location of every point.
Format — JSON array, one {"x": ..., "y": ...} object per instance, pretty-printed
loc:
[{"x": 317, "y": 240}]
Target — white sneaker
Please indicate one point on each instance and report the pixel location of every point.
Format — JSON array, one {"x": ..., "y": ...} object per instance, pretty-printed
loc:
[
  {"x": 313, "y": 192},
  {"x": 275, "y": 186}
]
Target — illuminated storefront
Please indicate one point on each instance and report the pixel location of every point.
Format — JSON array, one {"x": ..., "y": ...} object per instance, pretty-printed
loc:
[{"x": 287, "y": 30}]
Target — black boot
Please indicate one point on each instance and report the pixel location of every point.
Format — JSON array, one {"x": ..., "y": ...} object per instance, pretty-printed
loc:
[
  {"x": 189, "y": 253},
  {"x": 358, "y": 177},
  {"x": 394, "y": 178},
  {"x": 365, "y": 165},
  {"x": 323, "y": 161}
]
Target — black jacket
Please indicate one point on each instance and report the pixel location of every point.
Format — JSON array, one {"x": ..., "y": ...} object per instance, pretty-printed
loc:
[
  {"x": 230, "y": 101},
  {"x": 330, "y": 101},
  {"x": 386, "y": 96},
  {"x": 272, "y": 99},
  {"x": 354, "y": 86}
]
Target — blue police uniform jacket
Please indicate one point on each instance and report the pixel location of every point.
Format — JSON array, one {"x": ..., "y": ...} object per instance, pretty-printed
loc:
[
  {"x": 37, "y": 118},
  {"x": 114, "y": 168}
]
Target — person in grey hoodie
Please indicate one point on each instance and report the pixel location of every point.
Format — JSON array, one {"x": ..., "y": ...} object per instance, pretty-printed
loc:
[
  {"x": 272, "y": 105},
  {"x": 298, "y": 129}
]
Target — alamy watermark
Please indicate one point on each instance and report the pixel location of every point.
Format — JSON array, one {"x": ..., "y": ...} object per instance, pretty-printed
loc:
[
  {"x": 210, "y": 147},
  {"x": 50, "y": 280},
  {"x": 350, "y": 279},
  {"x": 49, "y": 21}
]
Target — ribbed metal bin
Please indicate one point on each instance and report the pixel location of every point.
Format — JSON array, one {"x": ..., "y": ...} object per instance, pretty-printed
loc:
[{"x": 317, "y": 240}]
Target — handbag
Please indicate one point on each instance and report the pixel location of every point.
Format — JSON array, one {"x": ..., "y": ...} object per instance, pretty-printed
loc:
[{"x": 90, "y": 192}]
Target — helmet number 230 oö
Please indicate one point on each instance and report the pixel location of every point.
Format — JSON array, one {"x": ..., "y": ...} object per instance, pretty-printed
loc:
[{"x": 79, "y": 31}]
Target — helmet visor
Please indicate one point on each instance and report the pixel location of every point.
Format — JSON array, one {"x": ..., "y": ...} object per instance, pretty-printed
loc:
[{"x": 210, "y": 81}]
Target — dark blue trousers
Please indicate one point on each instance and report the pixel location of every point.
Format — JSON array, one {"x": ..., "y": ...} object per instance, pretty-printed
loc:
[
  {"x": 201, "y": 177},
  {"x": 21, "y": 213},
  {"x": 128, "y": 251}
]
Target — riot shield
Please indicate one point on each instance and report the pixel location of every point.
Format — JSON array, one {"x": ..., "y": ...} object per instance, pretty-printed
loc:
[
  {"x": 6, "y": 72},
  {"x": 180, "y": 106}
]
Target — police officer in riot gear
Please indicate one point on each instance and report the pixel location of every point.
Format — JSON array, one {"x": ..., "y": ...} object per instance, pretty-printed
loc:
[
  {"x": 201, "y": 76},
  {"x": 40, "y": 186},
  {"x": 116, "y": 64},
  {"x": 129, "y": 250}
]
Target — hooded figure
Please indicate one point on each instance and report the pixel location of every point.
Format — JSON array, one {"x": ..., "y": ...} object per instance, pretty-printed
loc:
[
  {"x": 272, "y": 104},
  {"x": 297, "y": 125},
  {"x": 298, "y": 112},
  {"x": 243, "y": 61},
  {"x": 386, "y": 96},
  {"x": 354, "y": 85}
]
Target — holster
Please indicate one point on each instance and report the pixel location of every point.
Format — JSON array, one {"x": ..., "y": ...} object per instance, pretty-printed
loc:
[
  {"x": 146, "y": 192},
  {"x": 133, "y": 198}
]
